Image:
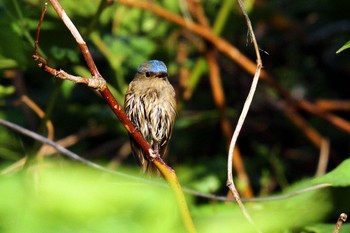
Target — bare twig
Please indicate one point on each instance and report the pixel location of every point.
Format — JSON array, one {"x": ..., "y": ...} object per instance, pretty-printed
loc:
[
  {"x": 73, "y": 139},
  {"x": 14, "y": 167},
  {"x": 36, "y": 43},
  {"x": 342, "y": 218},
  {"x": 184, "y": 10},
  {"x": 246, "y": 106},
  {"x": 33, "y": 106},
  {"x": 251, "y": 33},
  {"x": 217, "y": 89},
  {"x": 324, "y": 157},
  {"x": 230, "y": 183}
]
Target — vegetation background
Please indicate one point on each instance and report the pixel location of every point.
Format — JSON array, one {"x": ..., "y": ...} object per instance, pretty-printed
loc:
[{"x": 281, "y": 142}]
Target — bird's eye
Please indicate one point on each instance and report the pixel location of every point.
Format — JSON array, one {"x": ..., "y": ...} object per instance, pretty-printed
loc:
[{"x": 148, "y": 74}]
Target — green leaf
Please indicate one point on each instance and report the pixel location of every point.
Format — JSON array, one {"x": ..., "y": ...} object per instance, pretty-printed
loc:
[
  {"x": 339, "y": 177},
  {"x": 6, "y": 90},
  {"x": 7, "y": 63},
  {"x": 346, "y": 46},
  {"x": 78, "y": 199}
]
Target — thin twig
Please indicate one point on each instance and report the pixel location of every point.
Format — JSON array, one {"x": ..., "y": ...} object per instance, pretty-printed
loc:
[
  {"x": 324, "y": 157},
  {"x": 73, "y": 139},
  {"x": 36, "y": 56},
  {"x": 251, "y": 33},
  {"x": 14, "y": 167},
  {"x": 36, "y": 43},
  {"x": 33, "y": 106},
  {"x": 342, "y": 218},
  {"x": 246, "y": 106},
  {"x": 230, "y": 182},
  {"x": 184, "y": 10}
]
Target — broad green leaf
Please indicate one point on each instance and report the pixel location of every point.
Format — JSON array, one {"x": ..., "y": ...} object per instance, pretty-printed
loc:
[{"x": 61, "y": 198}]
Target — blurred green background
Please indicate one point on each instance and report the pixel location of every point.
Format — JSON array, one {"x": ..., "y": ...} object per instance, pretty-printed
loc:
[{"x": 298, "y": 42}]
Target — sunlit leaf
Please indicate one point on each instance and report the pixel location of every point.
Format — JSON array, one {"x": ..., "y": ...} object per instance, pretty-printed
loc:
[
  {"x": 76, "y": 199},
  {"x": 340, "y": 176}
]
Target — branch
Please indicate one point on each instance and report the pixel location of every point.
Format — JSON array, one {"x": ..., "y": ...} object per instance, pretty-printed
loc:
[
  {"x": 342, "y": 218},
  {"x": 98, "y": 82},
  {"x": 38, "y": 111},
  {"x": 324, "y": 158},
  {"x": 219, "y": 97}
]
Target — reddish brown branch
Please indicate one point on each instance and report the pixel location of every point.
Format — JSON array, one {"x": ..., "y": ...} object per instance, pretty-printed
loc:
[
  {"x": 310, "y": 133},
  {"x": 333, "y": 105},
  {"x": 135, "y": 133},
  {"x": 36, "y": 45}
]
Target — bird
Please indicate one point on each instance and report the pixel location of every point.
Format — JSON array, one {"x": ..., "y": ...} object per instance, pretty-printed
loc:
[{"x": 150, "y": 104}]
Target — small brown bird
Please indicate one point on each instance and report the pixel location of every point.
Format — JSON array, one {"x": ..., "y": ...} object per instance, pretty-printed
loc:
[{"x": 151, "y": 106}]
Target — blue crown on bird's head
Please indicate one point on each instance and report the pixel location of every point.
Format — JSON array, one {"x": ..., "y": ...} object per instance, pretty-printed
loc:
[{"x": 154, "y": 66}]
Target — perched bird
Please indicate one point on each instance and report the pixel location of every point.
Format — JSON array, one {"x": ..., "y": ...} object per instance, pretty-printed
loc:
[{"x": 151, "y": 106}]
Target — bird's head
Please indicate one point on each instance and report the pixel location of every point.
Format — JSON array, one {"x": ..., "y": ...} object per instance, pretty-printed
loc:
[{"x": 152, "y": 69}]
